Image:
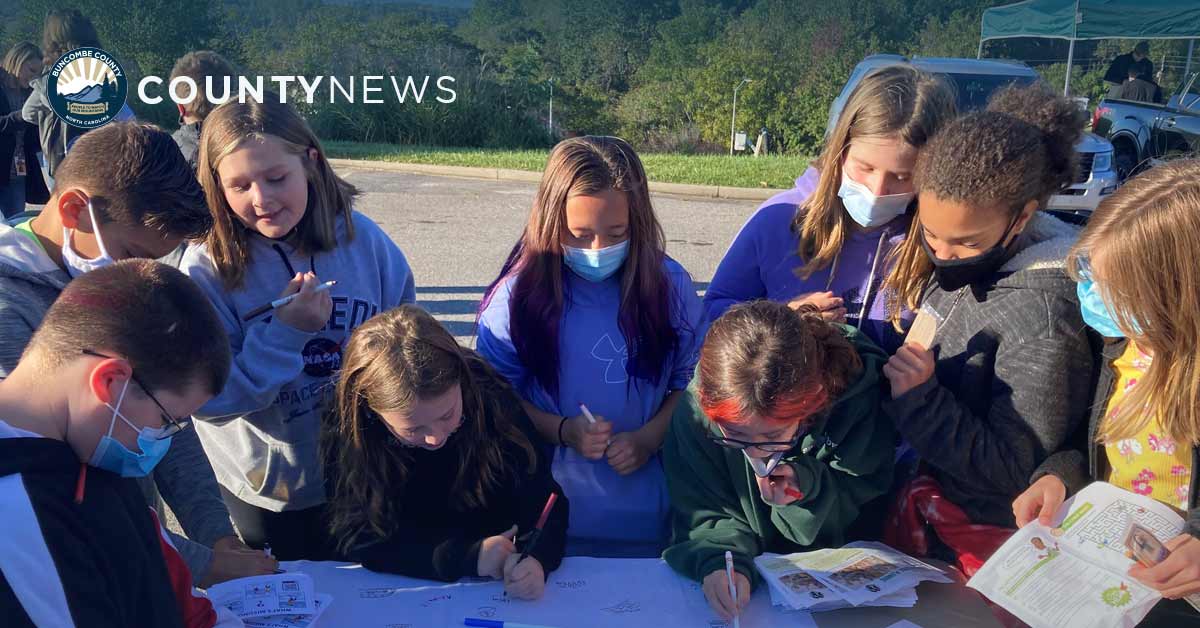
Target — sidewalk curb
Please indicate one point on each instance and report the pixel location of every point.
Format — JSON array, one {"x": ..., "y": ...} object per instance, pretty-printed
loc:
[{"x": 503, "y": 174}]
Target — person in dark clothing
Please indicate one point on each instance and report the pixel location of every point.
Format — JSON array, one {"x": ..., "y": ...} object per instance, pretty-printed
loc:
[
  {"x": 1135, "y": 88},
  {"x": 432, "y": 465},
  {"x": 201, "y": 67},
  {"x": 18, "y": 138},
  {"x": 79, "y": 546},
  {"x": 1009, "y": 374},
  {"x": 1138, "y": 59}
]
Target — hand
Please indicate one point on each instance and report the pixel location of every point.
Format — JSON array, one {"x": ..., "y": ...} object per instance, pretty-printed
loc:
[
  {"x": 493, "y": 551},
  {"x": 309, "y": 311},
  {"x": 830, "y": 308},
  {"x": 233, "y": 559},
  {"x": 628, "y": 452},
  {"x": 1042, "y": 499},
  {"x": 1178, "y": 575},
  {"x": 780, "y": 488},
  {"x": 525, "y": 580},
  {"x": 589, "y": 439},
  {"x": 910, "y": 367},
  {"x": 716, "y": 591}
]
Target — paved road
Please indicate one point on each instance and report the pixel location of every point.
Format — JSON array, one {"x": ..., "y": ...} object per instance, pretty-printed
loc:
[{"x": 457, "y": 232}]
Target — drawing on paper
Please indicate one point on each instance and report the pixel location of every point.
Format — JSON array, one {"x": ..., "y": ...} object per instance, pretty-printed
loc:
[
  {"x": 864, "y": 571},
  {"x": 626, "y": 606}
]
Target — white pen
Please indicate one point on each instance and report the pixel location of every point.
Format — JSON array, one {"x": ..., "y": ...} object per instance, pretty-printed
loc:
[
  {"x": 587, "y": 414},
  {"x": 282, "y": 301},
  {"x": 732, "y": 586}
]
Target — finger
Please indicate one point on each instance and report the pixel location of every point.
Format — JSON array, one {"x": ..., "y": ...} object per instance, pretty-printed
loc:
[
  {"x": 1158, "y": 575},
  {"x": 1049, "y": 507},
  {"x": 743, "y": 591},
  {"x": 511, "y": 533},
  {"x": 1023, "y": 510},
  {"x": 718, "y": 603},
  {"x": 1182, "y": 591},
  {"x": 1174, "y": 543},
  {"x": 890, "y": 372}
]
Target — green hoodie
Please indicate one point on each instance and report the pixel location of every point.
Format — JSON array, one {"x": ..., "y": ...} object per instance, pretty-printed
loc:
[{"x": 842, "y": 463}]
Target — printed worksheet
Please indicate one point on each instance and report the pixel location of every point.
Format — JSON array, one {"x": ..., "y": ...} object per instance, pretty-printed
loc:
[
  {"x": 1074, "y": 572},
  {"x": 262, "y": 596}
]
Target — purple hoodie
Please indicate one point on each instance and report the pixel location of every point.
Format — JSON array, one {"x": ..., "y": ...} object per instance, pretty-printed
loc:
[{"x": 762, "y": 263}]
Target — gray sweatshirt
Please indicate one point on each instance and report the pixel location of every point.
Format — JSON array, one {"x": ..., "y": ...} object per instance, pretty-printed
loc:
[
  {"x": 29, "y": 283},
  {"x": 262, "y": 431},
  {"x": 1014, "y": 377}
]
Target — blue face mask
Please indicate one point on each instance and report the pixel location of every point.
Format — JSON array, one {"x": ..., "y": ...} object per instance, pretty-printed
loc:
[
  {"x": 869, "y": 210},
  {"x": 596, "y": 264},
  {"x": 111, "y": 455},
  {"x": 1095, "y": 313}
]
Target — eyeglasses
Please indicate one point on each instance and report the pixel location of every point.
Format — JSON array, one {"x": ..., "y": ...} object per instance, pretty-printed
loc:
[
  {"x": 774, "y": 447},
  {"x": 171, "y": 426}
]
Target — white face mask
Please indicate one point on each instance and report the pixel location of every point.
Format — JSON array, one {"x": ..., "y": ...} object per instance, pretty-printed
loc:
[
  {"x": 867, "y": 209},
  {"x": 76, "y": 264}
]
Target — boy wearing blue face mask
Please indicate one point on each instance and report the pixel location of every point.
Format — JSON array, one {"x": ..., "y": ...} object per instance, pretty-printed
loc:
[
  {"x": 589, "y": 311},
  {"x": 124, "y": 192},
  {"x": 80, "y": 546}
]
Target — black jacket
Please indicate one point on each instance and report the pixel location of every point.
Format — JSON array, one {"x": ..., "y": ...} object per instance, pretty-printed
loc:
[
  {"x": 11, "y": 127},
  {"x": 95, "y": 563},
  {"x": 1070, "y": 466},
  {"x": 433, "y": 540},
  {"x": 1014, "y": 377}
]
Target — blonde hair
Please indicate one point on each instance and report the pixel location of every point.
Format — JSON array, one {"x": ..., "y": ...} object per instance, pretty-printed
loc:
[
  {"x": 1141, "y": 245},
  {"x": 17, "y": 56},
  {"x": 895, "y": 101},
  {"x": 329, "y": 196}
]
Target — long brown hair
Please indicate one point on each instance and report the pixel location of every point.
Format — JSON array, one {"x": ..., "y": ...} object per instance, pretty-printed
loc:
[
  {"x": 762, "y": 359},
  {"x": 895, "y": 101},
  {"x": 1141, "y": 248},
  {"x": 1020, "y": 149},
  {"x": 393, "y": 360},
  {"x": 587, "y": 166},
  {"x": 64, "y": 31},
  {"x": 329, "y": 196}
]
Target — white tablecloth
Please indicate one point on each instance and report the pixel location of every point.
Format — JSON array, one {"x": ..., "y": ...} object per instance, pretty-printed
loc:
[{"x": 596, "y": 592}]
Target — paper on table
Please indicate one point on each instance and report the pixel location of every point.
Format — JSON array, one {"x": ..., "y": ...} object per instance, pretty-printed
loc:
[
  {"x": 904, "y": 623},
  {"x": 261, "y": 596},
  {"x": 322, "y": 602},
  {"x": 857, "y": 573}
]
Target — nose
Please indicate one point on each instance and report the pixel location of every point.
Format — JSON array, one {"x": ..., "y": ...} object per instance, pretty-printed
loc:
[{"x": 258, "y": 195}]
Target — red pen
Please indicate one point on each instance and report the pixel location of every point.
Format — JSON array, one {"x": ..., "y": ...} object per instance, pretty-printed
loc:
[
  {"x": 537, "y": 531},
  {"x": 787, "y": 490}
]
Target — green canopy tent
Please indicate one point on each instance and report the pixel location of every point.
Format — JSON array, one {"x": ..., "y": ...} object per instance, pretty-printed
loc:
[{"x": 1074, "y": 20}]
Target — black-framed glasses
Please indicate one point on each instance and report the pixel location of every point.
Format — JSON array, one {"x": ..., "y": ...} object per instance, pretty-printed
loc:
[
  {"x": 776, "y": 446},
  {"x": 171, "y": 425}
]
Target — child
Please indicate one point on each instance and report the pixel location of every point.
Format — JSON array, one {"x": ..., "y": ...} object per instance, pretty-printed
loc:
[
  {"x": 589, "y": 310},
  {"x": 1010, "y": 373},
  {"x": 824, "y": 243},
  {"x": 124, "y": 192},
  {"x": 431, "y": 461},
  {"x": 201, "y": 67},
  {"x": 777, "y": 445},
  {"x": 1137, "y": 287},
  {"x": 18, "y": 139},
  {"x": 281, "y": 216},
  {"x": 80, "y": 546}
]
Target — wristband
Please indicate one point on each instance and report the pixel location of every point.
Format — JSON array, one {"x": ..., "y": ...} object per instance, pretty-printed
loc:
[{"x": 561, "y": 425}]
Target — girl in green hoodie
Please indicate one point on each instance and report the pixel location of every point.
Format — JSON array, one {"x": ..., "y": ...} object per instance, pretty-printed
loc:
[{"x": 777, "y": 445}]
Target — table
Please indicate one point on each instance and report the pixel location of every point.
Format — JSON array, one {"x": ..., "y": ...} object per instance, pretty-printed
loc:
[{"x": 600, "y": 592}]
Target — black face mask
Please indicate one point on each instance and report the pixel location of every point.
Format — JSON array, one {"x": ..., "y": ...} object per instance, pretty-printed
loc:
[{"x": 952, "y": 274}]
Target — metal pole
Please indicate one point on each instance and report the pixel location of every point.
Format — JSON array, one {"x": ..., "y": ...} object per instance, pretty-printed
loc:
[
  {"x": 733, "y": 119},
  {"x": 551, "y": 122},
  {"x": 1187, "y": 69},
  {"x": 1070, "y": 58},
  {"x": 979, "y": 55}
]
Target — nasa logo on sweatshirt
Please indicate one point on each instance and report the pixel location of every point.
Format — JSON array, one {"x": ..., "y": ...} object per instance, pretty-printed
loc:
[
  {"x": 87, "y": 88},
  {"x": 322, "y": 357}
]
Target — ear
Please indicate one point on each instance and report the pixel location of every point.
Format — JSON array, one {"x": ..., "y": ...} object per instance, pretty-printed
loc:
[
  {"x": 313, "y": 154},
  {"x": 72, "y": 208},
  {"x": 108, "y": 377},
  {"x": 1027, "y": 213}
]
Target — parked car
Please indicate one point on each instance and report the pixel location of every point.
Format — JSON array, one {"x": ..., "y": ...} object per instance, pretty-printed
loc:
[
  {"x": 1143, "y": 133},
  {"x": 974, "y": 81}
]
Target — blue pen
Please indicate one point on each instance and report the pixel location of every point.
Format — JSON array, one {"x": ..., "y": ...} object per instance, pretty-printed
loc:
[{"x": 492, "y": 623}]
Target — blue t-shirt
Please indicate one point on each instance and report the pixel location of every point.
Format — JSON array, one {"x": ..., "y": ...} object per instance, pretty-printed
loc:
[{"x": 607, "y": 509}]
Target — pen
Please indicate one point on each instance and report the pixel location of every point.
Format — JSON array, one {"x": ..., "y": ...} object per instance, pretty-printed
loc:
[
  {"x": 587, "y": 414},
  {"x": 282, "y": 301},
  {"x": 537, "y": 530},
  {"x": 732, "y": 586},
  {"x": 493, "y": 623}
]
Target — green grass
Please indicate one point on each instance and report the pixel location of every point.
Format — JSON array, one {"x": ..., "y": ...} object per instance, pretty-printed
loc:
[{"x": 740, "y": 171}]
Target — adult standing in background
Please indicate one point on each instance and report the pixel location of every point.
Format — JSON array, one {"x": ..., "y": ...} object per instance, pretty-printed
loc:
[
  {"x": 1139, "y": 57},
  {"x": 18, "y": 138}
]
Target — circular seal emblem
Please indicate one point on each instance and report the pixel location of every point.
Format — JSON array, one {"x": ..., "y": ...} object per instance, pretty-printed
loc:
[
  {"x": 322, "y": 357},
  {"x": 87, "y": 88}
]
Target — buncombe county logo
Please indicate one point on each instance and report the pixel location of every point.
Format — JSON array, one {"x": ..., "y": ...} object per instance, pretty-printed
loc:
[{"x": 87, "y": 87}]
